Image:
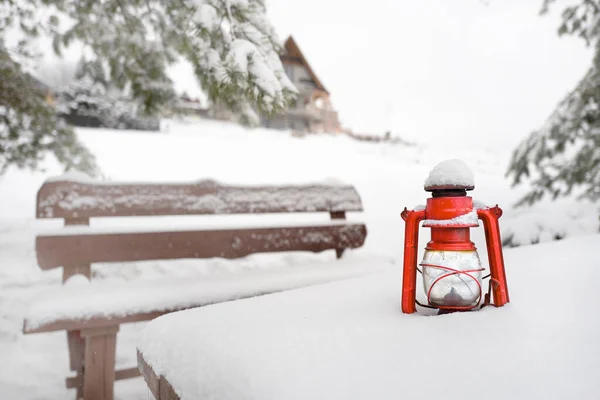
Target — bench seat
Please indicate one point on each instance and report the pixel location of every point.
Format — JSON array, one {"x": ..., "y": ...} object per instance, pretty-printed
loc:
[{"x": 80, "y": 304}]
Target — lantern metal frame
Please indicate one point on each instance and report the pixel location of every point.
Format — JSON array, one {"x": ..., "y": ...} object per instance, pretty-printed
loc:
[{"x": 448, "y": 203}]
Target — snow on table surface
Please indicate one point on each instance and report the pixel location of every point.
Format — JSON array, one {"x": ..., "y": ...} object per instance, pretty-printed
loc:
[
  {"x": 78, "y": 300},
  {"x": 450, "y": 172},
  {"x": 349, "y": 340}
]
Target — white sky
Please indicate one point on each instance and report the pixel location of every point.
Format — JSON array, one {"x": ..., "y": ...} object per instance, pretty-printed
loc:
[{"x": 437, "y": 69}]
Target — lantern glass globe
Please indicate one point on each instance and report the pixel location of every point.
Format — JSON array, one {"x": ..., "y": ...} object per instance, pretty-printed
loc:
[{"x": 452, "y": 278}]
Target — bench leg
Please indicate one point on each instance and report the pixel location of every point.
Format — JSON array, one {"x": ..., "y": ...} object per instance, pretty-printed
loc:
[
  {"x": 76, "y": 357},
  {"x": 99, "y": 363},
  {"x": 338, "y": 215}
]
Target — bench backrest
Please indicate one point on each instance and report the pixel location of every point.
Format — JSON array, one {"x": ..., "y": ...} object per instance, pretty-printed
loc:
[
  {"x": 77, "y": 202},
  {"x": 80, "y": 201}
]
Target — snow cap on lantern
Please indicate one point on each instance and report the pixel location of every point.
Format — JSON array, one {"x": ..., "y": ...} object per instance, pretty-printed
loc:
[{"x": 450, "y": 174}]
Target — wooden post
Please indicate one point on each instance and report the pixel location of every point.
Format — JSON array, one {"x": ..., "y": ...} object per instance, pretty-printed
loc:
[
  {"x": 99, "y": 368},
  {"x": 75, "y": 342},
  {"x": 76, "y": 359},
  {"x": 338, "y": 215}
]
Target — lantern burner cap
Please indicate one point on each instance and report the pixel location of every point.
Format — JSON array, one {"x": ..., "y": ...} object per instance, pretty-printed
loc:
[{"x": 448, "y": 190}]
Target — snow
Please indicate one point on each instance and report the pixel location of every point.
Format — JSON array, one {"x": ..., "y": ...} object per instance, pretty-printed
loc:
[
  {"x": 452, "y": 173},
  {"x": 548, "y": 221},
  {"x": 77, "y": 280},
  {"x": 72, "y": 176},
  {"x": 387, "y": 177},
  {"x": 480, "y": 205},
  {"x": 253, "y": 65},
  {"x": 349, "y": 340},
  {"x": 469, "y": 218},
  {"x": 81, "y": 177},
  {"x": 119, "y": 299},
  {"x": 206, "y": 17}
]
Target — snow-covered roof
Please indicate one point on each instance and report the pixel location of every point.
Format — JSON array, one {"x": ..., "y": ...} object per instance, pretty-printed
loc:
[{"x": 292, "y": 49}]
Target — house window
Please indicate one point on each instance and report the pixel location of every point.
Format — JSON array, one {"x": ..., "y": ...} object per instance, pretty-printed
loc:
[
  {"x": 309, "y": 83},
  {"x": 320, "y": 103},
  {"x": 289, "y": 71}
]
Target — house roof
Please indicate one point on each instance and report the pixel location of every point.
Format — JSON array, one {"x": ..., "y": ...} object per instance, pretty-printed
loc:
[
  {"x": 38, "y": 83},
  {"x": 293, "y": 53}
]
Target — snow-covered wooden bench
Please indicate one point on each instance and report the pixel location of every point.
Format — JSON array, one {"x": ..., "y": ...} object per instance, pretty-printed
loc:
[{"x": 92, "y": 313}]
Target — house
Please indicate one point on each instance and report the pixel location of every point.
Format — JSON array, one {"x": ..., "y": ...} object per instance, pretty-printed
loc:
[
  {"x": 187, "y": 105},
  {"x": 48, "y": 93},
  {"x": 312, "y": 111}
]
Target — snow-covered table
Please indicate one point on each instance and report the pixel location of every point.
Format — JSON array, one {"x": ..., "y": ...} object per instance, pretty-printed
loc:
[{"x": 349, "y": 340}]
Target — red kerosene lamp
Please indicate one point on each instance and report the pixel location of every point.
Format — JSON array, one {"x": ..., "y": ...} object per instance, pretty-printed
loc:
[{"x": 451, "y": 269}]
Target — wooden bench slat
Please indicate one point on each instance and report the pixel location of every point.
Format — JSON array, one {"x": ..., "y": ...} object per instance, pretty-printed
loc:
[
  {"x": 64, "y": 199},
  {"x": 60, "y": 250}
]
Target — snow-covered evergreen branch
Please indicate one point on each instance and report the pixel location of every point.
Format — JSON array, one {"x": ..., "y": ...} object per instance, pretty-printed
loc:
[{"x": 563, "y": 157}]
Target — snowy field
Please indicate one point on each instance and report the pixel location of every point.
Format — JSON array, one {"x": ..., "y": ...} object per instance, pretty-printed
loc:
[{"x": 388, "y": 178}]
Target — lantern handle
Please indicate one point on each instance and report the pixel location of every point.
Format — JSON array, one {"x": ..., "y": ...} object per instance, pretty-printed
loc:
[
  {"x": 490, "y": 217},
  {"x": 411, "y": 241}
]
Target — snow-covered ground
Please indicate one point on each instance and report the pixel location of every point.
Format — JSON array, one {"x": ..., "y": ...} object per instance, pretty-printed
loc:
[
  {"x": 348, "y": 340},
  {"x": 388, "y": 178}
]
